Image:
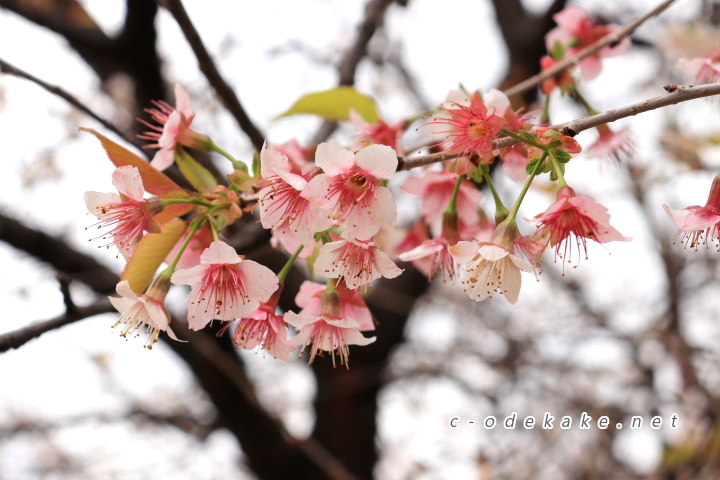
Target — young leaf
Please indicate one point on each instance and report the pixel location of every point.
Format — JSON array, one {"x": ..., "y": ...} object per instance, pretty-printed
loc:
[
  {"x": 198, "y": 176},
  {"x": 335, "y": 104},
  {"x": 149, "y": 253},
  {"x": 562, "y": 156},
  {"x": 155, "y": 181}
]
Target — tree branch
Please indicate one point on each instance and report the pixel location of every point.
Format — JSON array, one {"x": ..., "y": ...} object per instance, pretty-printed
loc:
[
  {"x": 20, "y": 337},
  {"x": 211, "y": 72},
  {"x": 677, "y": 94},
  {"x": 611, "y": 39},
  {"x": 10, "y": 69}
]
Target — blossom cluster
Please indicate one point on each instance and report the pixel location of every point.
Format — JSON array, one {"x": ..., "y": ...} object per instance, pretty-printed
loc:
[{"x": 334, "y": 208}]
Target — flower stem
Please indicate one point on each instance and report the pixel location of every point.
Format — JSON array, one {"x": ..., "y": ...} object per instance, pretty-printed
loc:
[
  {"x": 186, "y": 201},
  {"x": 538, "y": 167},
  {"x": 194, "y": 227},
  {"x": 237, "y": 165},
  {"x": 501, "y": 212},
  {"x": 579, "y": 96},
  {"x": 522, "y": 139},
  {"x": 288, "y": 265},
  {"x": 558, "y": 168},
  {"x": 452, "y": 204}
]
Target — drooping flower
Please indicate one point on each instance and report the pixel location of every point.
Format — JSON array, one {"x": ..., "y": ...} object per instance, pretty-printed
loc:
[
  {"x": 435, "y": 189},
  {"x": 575, "y": 31},
  {"x": 357, "y": 262},
  {"x": 704, "y": 69},
  {"x": 615, "y": 145},
  {"x": 491, "y": 267},
  {"x": 127, "y": 214},
  {"x": 351, "y": 187},
  {"x": 143, "y": 310},
  {"x": 579, "y": 217},
  {"x": 470, "y": 129},
  {"x": 433, "y": 256},
  {"x": 265, "y": 328},
  {"x": 352, "y": 305},
  {"x": 172, "y": 129},
  {"x": 224, "y": 286},
  {"x": 282, "y": 207},
  {"x": 328, "y": 330},
  {"x": 698, "y": 225},
  {"x": 376, "y": 133}
]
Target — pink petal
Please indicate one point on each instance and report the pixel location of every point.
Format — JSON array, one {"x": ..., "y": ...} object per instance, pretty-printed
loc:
[
  {"x": 334, "y": 159},
  {"x": 182, "y": 102},
  {"x": 272, "y": 161},
  {"x": 260, "y": 282},
  {"x": 378, "y": 160},
  {"x": 127, "y": 181},
  {"x": 163, "y": 158},
  {"x": 93, "y": 200},
  {"x": 308, "y": 293},
  {"x": 219, "y": 253},
  {"x": 190, "y": 276},
  {"x": 464, "y": 251}
]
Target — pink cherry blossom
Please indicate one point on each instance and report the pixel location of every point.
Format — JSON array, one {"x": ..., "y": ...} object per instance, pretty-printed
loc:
[
  {"x": 127, "y": 214},
  {"x": 376, "y": 133},
  {"x": 224, "y": 286},
  {"x": 432, "y": 256},
  {"x": 264, "y": 327},
  {"x": 435, "y": 189},
  {"x": 172, "y": 129},
  {"x": 578, "y": 217},
  {"x": 698, "y": 225},
  {"x": 351, "y": 187},
  {"x": 143, "y": 310},
  {"x": 292, "y": 217},
  {"x": 327, "y": 330},
  {"x": 470, "y": 130},
  {"x": 490, "y": 267},
  {"x": 575, "y": 31},
  {"x": 357, "y": 262},
  {"x": 704, "y": 69},
  {"x": 615, "y": 145},
  {"x": 352, "y": 305}
]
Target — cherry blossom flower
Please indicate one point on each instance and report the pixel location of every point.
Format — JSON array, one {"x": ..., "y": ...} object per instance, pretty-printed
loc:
[
  {"x": 575, "y": 31},
  {"x": 224, "y": 286},
  {"x": 264, "y": 327},
  {"x": 433, "y": 256},
  {"x": 562, "y": 80},
  {"x": 471, "y": 129},
  {"x": 143, "y": 310},
  {"x": 579, "y": 217},
  {"x": 327, "y": 330},
  {"x": 616, "y": 145},
  {"x": 283, "y": 209},
  {"x": 376, "y": 133},
  {"x": 352, "y": 305},
  {"x": 514, "y": 164},
  {"x": 699, "y": 225},
  {"x": 350, "y": 187},
  {"x": 435, "y": 189},
  {"x": 357, "y": 262},
  {"x": 127, "y": 214},
  {"x": 172, "y": 129},
  {"x": 491, "y": 267},
  {"x": 704, "y": 69}
]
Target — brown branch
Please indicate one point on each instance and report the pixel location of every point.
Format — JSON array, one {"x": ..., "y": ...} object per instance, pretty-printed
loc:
[
  {"x": 678, "y": 94},
  {"x": 10, "y": 69},
  {"x": 611, "y": 39},
  {"x": 211, "y": 72},
  {"x": 373, "y": 19},
  {"x": 20, "y": 337}
]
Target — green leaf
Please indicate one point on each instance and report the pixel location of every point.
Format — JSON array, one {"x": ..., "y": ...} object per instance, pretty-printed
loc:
[
  {"x": 149, "y": 253},
  {"x": 562, "y": 156},
  {"x": 335, "y": 104},
  {"x": 198, "y": 176},
  {"x": 530, "y": 167},
  {"x": 528, "y": 136}
]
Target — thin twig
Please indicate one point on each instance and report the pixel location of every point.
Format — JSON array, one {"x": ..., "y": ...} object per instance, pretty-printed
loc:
[
  {"x": 373, "y": 19},
  {"x": 611, "y": 39},
  {"x": 9, "y": 69},
  {"x": 678, "y": 94},
  {"x": 18, "y": 338},
  {"x": 211, "y": 72}
]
